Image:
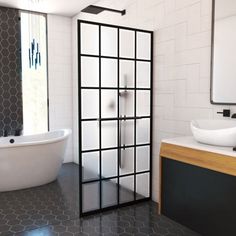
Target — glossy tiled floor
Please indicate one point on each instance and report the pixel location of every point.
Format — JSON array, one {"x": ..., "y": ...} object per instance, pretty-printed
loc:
[{"x": 53, "y": 210}]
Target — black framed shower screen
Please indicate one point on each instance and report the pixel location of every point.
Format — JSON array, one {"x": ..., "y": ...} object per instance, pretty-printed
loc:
[{"x": 115, "y": 68}]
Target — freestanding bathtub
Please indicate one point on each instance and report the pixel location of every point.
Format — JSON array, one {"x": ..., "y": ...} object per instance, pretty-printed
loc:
[{"x": 33, "y": 160}]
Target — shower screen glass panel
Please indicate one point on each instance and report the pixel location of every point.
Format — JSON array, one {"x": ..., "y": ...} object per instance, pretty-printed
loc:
[{"x": 115, "y": 115}]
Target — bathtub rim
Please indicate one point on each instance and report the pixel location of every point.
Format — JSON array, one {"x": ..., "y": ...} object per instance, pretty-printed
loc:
[{"x": 66, "y": 134}]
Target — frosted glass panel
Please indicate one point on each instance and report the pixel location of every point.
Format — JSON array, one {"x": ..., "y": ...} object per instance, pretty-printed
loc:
[
  {"x": 89, "y": 72},
  {"x": 109, "y": 193},
  {"x": 126, "y": 74},
  {"x": 126, "y": 189},
  {"x": 143, "y": 103},
  {"x": 109, "y": 163},
  {"x": 142, "y": 186},
  {"x": 90, "y": 135},
  {"x": 109, "y": 41},
  {"x": 109, "y": 103},
  {"x": 90, "y": 103},
  {"x": 126, "y": 102},
  {"x": 127, "y": 161},
  {"x": 90, "y": 163},
  {"x": 109, "y": 73},
  {"x": 115, "y": 93},
  {"x": 143, "y": 45},
  {"x": 143, "y": 131},
  {"x": 90, "y": 197},
  {"x": 109, "y": 134},
  {"x": 127, "y": 43},
  {"x": 143, "y": 74},
  {"x": 127, "y": 132},
  {"x": 142, "y": 158},
  {"x": 89, "y": 39}
]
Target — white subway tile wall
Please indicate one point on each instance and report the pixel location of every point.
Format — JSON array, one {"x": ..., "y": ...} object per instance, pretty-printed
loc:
[
  {"x": 60, "y": 77},
  {"x": 182, "y": 47}
]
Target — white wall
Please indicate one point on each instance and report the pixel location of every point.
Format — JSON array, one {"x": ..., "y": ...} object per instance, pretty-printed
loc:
[
  {"x": 60, "y": 76},
  {"x": 182, "y": 37},
  {"x": 75, "y": 89}
]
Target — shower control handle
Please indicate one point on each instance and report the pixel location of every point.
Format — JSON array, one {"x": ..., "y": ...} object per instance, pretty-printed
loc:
[{"x": 119, "y": 145}]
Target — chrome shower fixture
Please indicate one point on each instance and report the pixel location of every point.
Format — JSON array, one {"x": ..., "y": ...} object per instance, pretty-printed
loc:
[
  {"x": 92, "y": 9},
  {"x": 124, "y": 94}
]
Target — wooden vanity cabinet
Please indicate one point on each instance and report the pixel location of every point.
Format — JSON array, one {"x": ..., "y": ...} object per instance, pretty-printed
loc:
[{"x": 198, "y": 189}]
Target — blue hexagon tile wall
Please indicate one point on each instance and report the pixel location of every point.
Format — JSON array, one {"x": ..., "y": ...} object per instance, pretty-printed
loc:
[{"x": 11, "y": 107}]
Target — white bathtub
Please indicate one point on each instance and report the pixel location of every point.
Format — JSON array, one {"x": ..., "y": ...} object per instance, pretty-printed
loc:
[{"x": 31, "y": 160}]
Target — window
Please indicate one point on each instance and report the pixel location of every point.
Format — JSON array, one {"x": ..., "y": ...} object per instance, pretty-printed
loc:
[{"x": 34, "y": 72}]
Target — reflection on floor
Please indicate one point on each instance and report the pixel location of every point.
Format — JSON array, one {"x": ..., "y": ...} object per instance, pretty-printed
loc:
[
  {"x": 53, "y": 210},
  {"x": 109, "y": 195}
]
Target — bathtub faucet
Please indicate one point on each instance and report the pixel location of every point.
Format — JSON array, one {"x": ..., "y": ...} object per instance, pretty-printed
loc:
[
  {"x": 18, "y": 132},
  {"x": 5, "y": 133}
]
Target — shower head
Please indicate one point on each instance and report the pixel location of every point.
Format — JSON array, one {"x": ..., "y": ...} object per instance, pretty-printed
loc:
[{"x": 92, "y": 9}]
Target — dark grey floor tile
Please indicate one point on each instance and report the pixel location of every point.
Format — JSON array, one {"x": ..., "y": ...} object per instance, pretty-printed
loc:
[
  {"x": 41, "y": 206},
  {"x": 118, "y": 222},
  {"x": 53, "y": 210}
]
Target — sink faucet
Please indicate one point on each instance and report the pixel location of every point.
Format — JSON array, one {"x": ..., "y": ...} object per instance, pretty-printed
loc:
[{"x": 225, "y": 112}]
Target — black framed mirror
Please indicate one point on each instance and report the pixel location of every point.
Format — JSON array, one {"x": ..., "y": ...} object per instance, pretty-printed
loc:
[{"x": 223, "y": 63}]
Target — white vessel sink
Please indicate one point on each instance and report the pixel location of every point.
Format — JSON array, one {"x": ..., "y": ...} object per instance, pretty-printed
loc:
[{"x": 215, "y": 132}]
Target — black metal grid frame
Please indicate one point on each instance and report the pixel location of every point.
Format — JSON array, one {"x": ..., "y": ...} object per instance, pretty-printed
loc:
[
  {"x": 101, "y": 179},
  {"x": 212, "y": 57}
]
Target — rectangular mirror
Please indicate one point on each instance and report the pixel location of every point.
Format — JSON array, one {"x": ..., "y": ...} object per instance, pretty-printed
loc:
[{"x": 223, "y": 69}]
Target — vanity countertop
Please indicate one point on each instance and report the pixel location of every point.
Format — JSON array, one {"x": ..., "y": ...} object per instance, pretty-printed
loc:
[
  {"x": 190, "y": 142},
  {"x": 189, "y": 151}
]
